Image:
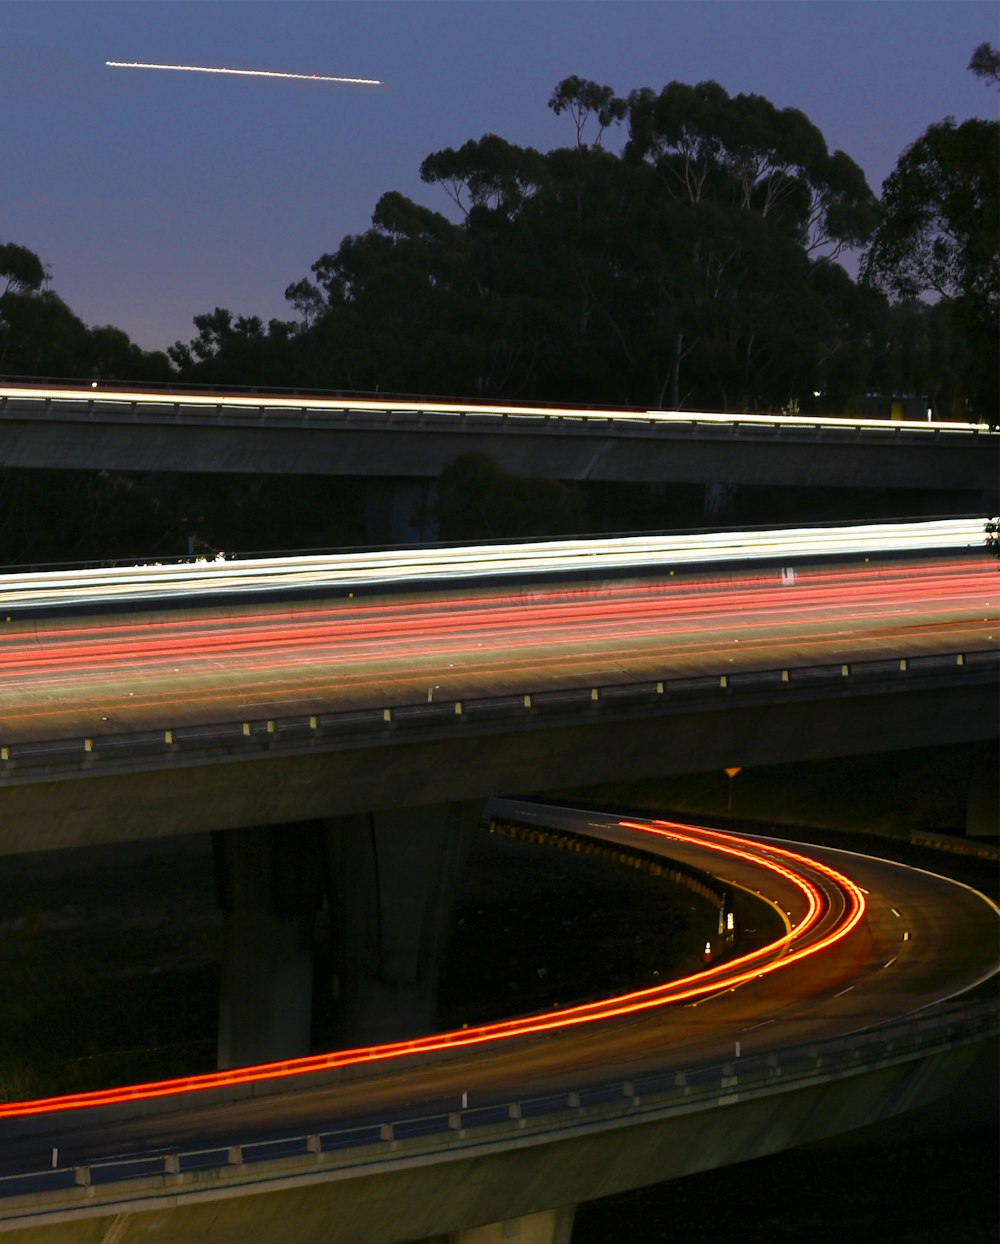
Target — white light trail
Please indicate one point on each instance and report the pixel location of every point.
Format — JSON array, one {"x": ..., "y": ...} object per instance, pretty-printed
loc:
[
  {"x": 243, "y": 73},
  {"x": 644, "y": 554}
]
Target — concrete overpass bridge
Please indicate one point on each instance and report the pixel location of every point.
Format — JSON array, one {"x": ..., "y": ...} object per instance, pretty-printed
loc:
[
  {"x": 348, "y": 717},
  {"x": 410, "y": 442},
  {"x": 370, "y": 727}
]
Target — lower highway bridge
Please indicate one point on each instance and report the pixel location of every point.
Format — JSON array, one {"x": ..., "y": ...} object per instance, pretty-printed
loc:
[{"x": 352, "y": 716}]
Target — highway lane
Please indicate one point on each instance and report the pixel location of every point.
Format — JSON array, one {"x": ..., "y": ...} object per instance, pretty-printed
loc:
[
  {"x": 922, "y": 940},
  {"x": 84, "y": 674}
]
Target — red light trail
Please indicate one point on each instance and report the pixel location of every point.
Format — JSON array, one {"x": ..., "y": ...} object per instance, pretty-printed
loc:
[
  {"x": 352, "y": 653},
  {"x": 805, "y": 939}
]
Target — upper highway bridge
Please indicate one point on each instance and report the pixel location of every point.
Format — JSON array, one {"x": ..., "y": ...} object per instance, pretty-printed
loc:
[{"x": 108, "y": 427}]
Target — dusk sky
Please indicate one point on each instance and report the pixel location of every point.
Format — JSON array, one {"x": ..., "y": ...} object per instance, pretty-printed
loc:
[{"x": 155, "y": 196}]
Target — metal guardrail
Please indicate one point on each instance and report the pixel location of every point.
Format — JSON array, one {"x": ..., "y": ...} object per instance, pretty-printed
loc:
[
  {"x": 270, "y": 732},
  {"x": 778, "y": 1071},
  {"x": 320, "y": 412}
]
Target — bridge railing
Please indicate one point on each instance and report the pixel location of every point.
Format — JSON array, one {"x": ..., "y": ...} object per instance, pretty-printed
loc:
[
  {"x": 376, "y": 410},
  {"x": 256, "y": 733},
  {"x": 712, "y": 1085}
]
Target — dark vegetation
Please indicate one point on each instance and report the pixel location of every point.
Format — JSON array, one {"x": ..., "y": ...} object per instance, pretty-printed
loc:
[{"x": 682, "y": 252}]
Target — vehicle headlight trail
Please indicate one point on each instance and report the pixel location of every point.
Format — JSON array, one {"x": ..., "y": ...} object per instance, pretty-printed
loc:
[{"x": 244, "y": 73}]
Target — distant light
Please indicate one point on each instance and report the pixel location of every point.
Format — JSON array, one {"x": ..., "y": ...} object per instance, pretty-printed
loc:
[
  {"x": 244, "y": 73},
  {"x": 930, "y": 414},
  {"x": 817, "y": 393}
]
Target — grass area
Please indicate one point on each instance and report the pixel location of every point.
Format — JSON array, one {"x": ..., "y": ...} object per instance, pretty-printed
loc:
[
  {"x": 923, "y": 1190},
  {"x": 536, "y": 926},
  {"x": 889, "y": 794}
]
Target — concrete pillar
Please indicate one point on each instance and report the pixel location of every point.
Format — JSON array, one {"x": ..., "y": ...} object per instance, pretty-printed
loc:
[
  {"x": 393, "y": 877},
  {"x": 717, "y": 499},
  {"x": 551, "y": 1226},
  {"x": 398, "y": 511},
  {"x": 982, "y": 809},
  {"x": 270, "y": 883}
]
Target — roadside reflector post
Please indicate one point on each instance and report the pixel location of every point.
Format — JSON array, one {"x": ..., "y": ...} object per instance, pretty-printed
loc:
[{"x": 730, "y": 774}]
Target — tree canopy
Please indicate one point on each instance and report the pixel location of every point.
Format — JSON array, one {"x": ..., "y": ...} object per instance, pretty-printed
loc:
[
  {"x": 680, "y": 250},
  {"x": 938, "y": 238}
]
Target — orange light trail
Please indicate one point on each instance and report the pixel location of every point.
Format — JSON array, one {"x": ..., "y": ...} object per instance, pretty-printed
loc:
[{"x": 777, "y": 954}]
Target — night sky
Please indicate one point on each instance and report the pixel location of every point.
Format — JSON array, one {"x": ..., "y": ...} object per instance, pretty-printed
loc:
[{"x": 155, "y": 196}]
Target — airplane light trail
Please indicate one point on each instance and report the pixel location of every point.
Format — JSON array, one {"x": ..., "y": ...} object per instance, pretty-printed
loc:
[{"x": 243, "y": 73}]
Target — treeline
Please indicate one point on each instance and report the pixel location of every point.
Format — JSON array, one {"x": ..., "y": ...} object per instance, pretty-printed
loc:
[{"x": 693, "y": 267}]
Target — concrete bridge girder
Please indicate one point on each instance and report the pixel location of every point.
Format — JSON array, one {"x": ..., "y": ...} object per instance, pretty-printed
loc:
[
  {"x": 182, "y": 794},
  {"x": 415, "y": 448}
]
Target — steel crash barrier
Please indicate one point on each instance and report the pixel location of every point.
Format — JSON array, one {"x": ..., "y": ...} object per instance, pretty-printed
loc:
[
  {"x": 690, "y": 692},
  {"x": 714, "y": 1086},
  {"x": 105, "y": 398}
]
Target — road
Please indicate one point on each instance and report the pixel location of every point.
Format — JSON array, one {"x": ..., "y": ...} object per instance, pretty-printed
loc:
[
  {"x": 81, "y": 674},
  {"x": 920, "y": 940}
]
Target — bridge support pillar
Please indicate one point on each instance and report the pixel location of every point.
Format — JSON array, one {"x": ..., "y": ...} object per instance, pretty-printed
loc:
[
  {"x": 551, "y": 1226},
  {"x": 393, "y": 877},
  {"x": 398, "y": 511},
  {"x": 269, "y": 882},
  {"x": 982, "y": 809}
]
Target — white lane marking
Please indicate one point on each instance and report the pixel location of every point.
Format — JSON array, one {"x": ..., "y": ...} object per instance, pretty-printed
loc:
[
  {"x": 763, "y": 1024},
  {"x": 843, "y": 991},
  {"x": 894, "y": 912},
  {"x": 890, "y": 963},
  {"x": 906, "y": 936}
]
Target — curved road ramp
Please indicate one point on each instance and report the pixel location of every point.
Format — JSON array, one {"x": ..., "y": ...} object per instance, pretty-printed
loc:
[{"x": 874, "y": 1001}]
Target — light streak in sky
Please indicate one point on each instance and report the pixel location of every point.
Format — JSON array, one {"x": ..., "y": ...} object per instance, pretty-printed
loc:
[
  {"x": 795, "y": 945},
  {"x": 243, "y": 73}
]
